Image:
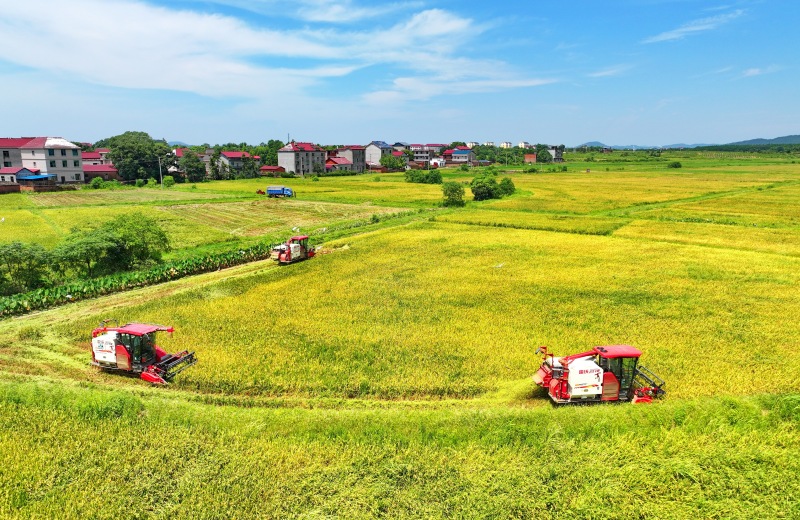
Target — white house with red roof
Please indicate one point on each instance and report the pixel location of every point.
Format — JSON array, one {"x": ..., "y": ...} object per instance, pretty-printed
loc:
[
  {"x": 302, "y": 158},
  {"x": 51, "y": 156},
  {"x": 233, "y": 160}
]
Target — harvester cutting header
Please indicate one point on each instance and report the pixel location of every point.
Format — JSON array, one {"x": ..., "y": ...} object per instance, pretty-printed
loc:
[
  {"x": 603, "y": 374},
  {"x": 131, "y": 348}
]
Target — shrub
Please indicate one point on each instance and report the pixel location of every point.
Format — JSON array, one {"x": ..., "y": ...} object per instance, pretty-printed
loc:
[
  {"x": 96, "y": 183},
  {"x": 151, "y": 183},
  {"x": 674, "y": 164},
  {"x": 453, "y": 194},
  {"x": 169, "y": 181},
  {"x": 315, "y": 178},
  {"x": 424, "y": 176},
  {"x": 506, "y": 186},
  {"x": 139, "y": 183}
]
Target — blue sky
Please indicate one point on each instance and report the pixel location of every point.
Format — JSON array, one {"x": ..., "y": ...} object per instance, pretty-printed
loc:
[{"x": 646, "y": 72}]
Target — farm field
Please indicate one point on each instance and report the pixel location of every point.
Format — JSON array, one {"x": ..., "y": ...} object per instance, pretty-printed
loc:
[{"x": 391, "y": 376}]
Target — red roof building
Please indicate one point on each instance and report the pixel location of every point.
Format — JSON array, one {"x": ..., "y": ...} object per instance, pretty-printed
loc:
[
  {"x": 272, "y": 171},
  {"x": 105, "y": 171}
]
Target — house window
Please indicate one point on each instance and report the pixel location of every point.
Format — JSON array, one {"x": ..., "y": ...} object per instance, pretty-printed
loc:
[
  {"x": 52, "y": 164},
  {"x": 77, "y": 176},
  {"x": 5, "y": 153},
  {"x": 76, "y": 163},
  {"x": 12, "y": 179},
  {"x": 63, "y": 152},
  {"x": 64, "y": 164},
  {"x": 50, "y": 152},
  {"x": 75, "y": 152},
  {"x": 2, "y": 178},
  {"x": 7, "y": 164}
]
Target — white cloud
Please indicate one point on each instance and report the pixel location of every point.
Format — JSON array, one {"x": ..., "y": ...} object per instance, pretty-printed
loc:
[
  {"x": 616, "y": 70},
  {"x": 695, "y": 26},
  {"x": 328, "y": 11},
  {"x": 759, "y": 71}
]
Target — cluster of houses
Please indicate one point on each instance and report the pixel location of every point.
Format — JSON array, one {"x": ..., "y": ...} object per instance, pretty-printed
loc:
[{"x": 42, "y": 163}]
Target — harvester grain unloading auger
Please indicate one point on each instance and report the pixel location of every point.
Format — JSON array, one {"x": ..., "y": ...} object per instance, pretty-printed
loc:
[
  {"x": 604, "y": 374},
  {"x": 131, "y": 348}
]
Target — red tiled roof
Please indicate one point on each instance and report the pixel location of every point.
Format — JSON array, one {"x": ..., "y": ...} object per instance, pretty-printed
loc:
[
  {"x": 268, "y": 168},
  {"x": 36, "y": 142},
  {"x": 353, "y": 147},
  {"x": 88, "y": 156},
  {"x": 398, "y": 154},
  {"x": 179, "y": 152},
  {"x": 338, "y": 160},
  {"x": 102, "y": 150},
  {"x": 235, "y": 155},
  {"x": 13, "y": 170},
  {"x": 99, "y": 168},
  {"x": 437, "y": 145},
  {"x": 447, "y": 152},
  {"x": 14, "y": 142},
  {"x": 299, "y": 147}
]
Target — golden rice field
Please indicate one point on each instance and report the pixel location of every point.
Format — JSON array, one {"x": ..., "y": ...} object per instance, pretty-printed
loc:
[{"x": 391, "y": 375}]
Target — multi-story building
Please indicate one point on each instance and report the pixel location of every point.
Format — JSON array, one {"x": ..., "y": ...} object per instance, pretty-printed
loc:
[
  {"x": 302, "y": 158},
  {"x": 505, "y": 144},
  {"x": 488, "y": 143},
  {"x": 524, "y": 145},
  {"x": 233, "y": 160},
  {"x": 472, "y": 144},
  {"x": 54, "y": 157},
  {"x": 376, "y": 150},
  {"x": 356, "y": 154}
]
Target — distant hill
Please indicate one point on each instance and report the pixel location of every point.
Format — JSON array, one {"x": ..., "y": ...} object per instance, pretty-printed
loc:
[
  {"x": 787, "y": 139},
  {"x": 177, "y": 143},
  {"x": 598, "y": 144}
]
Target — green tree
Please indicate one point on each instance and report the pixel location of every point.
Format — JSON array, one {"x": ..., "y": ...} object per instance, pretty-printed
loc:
[
  {"x": 506, "y": 186},
  {"x": 393, "y": 163},
  {"x": 137, "y": 156},
  {"x": 169, "y": 181},
  {"x": 123, "y": 243},
  {"x": 249, "y": 169},
  {"x": 191, "y": 165},
  {"x": 80, "y": 252},
  {"x": 484, "y": 187},
  {"x": 23, "y": 267},
  {"x": 544, "y": 156},
  {"x": 453, "y": 194}
]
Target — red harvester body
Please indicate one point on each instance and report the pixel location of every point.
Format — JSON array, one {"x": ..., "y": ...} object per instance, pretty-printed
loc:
[
  {"x": 294, "y": 250},
  {"x": 132, "y": 349},
  {"x": 603, "y": 374}
]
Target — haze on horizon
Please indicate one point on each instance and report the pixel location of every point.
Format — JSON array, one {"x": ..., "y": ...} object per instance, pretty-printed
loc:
[{"x": 645, "y": 72}]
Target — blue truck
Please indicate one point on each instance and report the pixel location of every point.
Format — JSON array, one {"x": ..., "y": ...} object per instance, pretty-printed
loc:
[{"x": 279, "y": 191}]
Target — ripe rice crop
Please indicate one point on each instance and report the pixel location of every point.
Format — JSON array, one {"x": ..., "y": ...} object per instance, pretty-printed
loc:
[{"x": 445, "y": 310}]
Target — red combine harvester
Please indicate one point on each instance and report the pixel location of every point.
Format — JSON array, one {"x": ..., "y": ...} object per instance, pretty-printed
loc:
[
  {"x": 132, "y": 349},
  {"x": 294, "y": 250},
  {"x": 603, "y": 374}
]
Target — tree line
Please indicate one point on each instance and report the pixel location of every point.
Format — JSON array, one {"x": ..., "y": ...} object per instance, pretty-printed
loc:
[{"x": 125, "y": 243}]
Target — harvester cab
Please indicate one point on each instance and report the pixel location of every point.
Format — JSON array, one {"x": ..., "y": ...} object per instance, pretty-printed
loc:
[
  {"x": 294, "y": 250},
  {"x": 604, "y": 374},
  {"x": 132, "y": 348}
]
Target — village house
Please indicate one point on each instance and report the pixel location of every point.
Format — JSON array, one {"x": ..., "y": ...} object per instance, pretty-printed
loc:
[
  {"x": 301, "y": 158},
  {"x": 375, "y": 151},
  {"x": 47, "y": 155},
  {"x": 356, "y": 154},
  {"x": 505, "y": 144},
  {"x": 107, "y": 172}
]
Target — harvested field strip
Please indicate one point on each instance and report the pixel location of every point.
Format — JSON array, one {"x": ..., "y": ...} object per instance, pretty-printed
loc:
[
  {"x": 270, "y": 215},
  {"x": 125, "y": 196},
  {"x": 545, "y": 222}
]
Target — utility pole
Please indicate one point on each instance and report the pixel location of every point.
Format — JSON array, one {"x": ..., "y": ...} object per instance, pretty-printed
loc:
[{"x": 159, "y": 172}]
